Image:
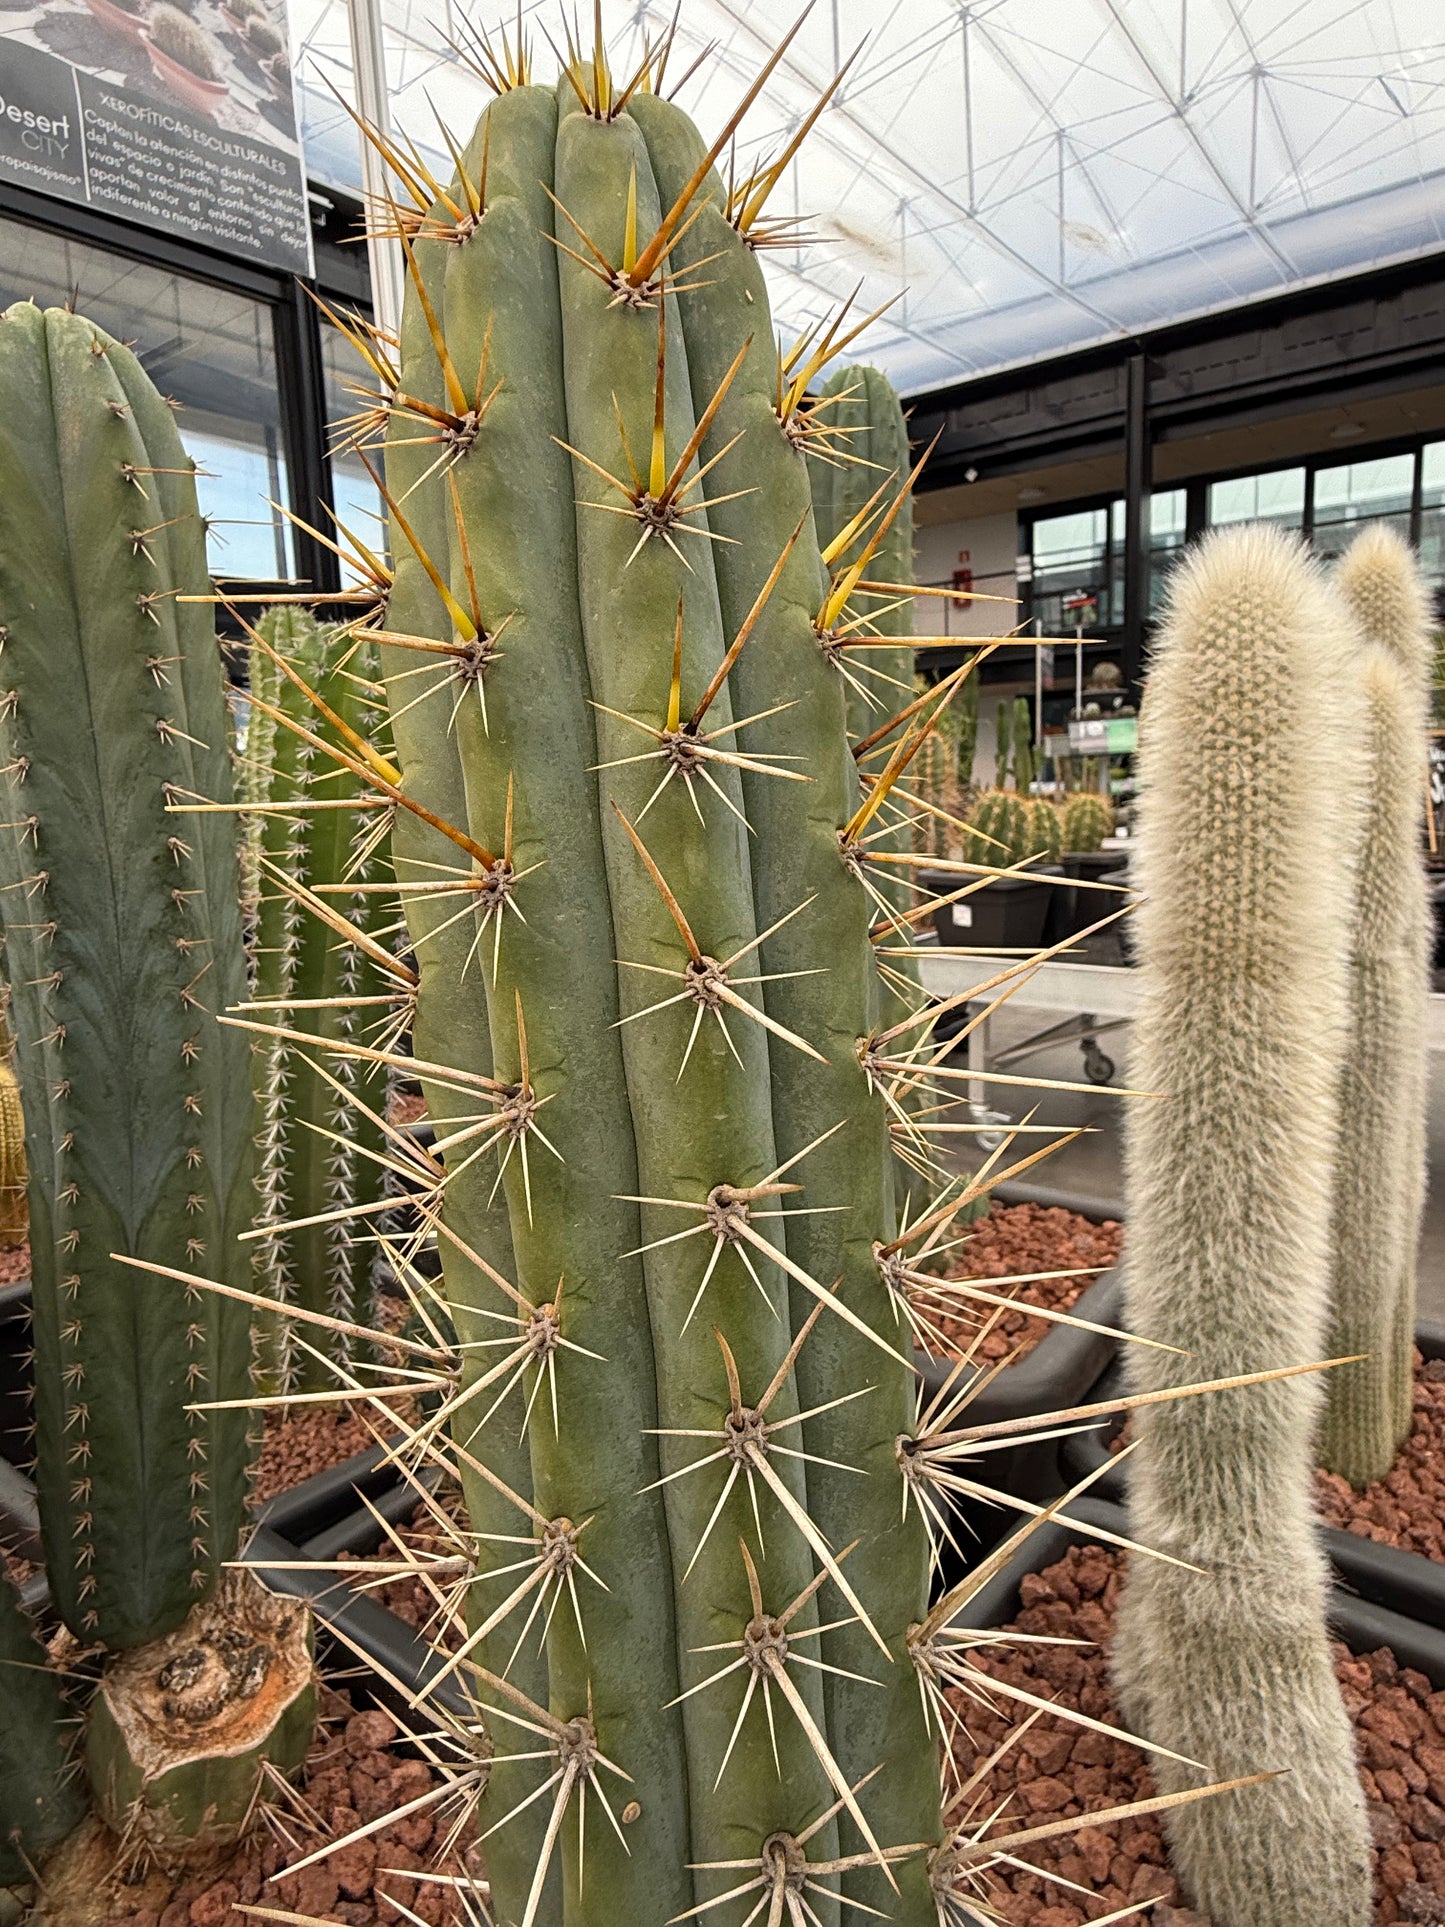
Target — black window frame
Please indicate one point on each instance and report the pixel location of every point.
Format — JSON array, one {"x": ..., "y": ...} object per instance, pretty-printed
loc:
[{"x": 296, "y": 325}]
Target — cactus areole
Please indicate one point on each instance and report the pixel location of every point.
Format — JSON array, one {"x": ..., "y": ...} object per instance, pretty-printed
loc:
[
  {"x": 122, "y": 946},
  {"x": 608, "y": 646}
]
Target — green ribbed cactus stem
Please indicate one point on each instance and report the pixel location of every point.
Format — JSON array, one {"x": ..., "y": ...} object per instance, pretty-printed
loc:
[
  {"x": 40, "y": 1798},
  {"x": 962, "y": 716},
  {"x": 1002, "y": 745},
  {"x": 450, "y": 1028},
  {"x": 318, "y": 1147},
  {"x": 1042, "y": 829},
  {"x": 1000, "y": 822},
  {"x": 931, "y": 778},
  {"x": 863, "y": 415},
  {"x": 795, "y": 858},
  {"x": 123, "y": 944},
  {"x": 636, "y": 1129},
  {"x": 1023, "y": 747},
  {"x": 1247, "y": 833},
  {"x": 1086, "y": 819},
  {"x": 1380, "y": 1186},
  {"x": 861, "y": 407}
]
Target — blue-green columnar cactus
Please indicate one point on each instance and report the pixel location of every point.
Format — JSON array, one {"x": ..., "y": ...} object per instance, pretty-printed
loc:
[
  {"x": 675, "y": 1009},
  {"x": 123, "y": 944},
  {"x": 1379, "y": 1187},
  {"x": 635, "y": 855},
  {"x": 1247, "y": 815},
  {"x": 319, "y": 866}
]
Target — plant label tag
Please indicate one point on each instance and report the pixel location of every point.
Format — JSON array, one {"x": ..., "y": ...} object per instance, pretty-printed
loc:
[{"x": 963, "y": 916}]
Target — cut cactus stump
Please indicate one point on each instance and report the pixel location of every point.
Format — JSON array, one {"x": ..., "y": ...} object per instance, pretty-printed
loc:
[{"x": 182, "y": 1730}]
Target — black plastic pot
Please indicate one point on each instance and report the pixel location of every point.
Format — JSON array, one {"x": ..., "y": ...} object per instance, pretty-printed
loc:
[
  {"x": 1007, "y": 913},
  {"x": 1362, "y": 1624},
  {"x": 1072, "y": 910},
  {"x": 16, "y": 1374},
  {"x": 1403, "y": 1583},
  {"x": 1056, "y": 1373},
  {"x": 400, "y": 1661},
  {"x": 325, "y": 1514}
]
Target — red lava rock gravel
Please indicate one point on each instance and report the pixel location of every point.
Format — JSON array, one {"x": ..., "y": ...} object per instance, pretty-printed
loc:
[
  {"x": 1015, "y": 1238},
  {"x": 292, "y": 1449},
  {"x": 14, "y": 1263},
  {"x": 1058, "y": 1769},
  {"x": 353, "y": 1775},
  {"x": 1407, "y": 1507}
]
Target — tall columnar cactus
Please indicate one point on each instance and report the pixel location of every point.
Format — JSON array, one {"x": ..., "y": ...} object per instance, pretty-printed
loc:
[
  {"x": 674, "y": 1014},
  {"x": 1247, "y": 832},
  {"x": 1381, "y": 1160},
  {"x": 318, "y": 866},
  {"x": 867, "y": 445},
  {"x": 1023, "y": 747},
  {"x": 933, "y": 781},
  {"x": 123, "y": 944}
]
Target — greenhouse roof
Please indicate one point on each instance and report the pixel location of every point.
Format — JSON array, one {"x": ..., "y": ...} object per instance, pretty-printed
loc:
[{"x": 1034, "y": 176}]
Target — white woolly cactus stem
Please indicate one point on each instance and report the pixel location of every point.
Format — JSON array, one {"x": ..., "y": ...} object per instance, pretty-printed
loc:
[
  {"x": 1247, "y": 815},
  {"x": 1380, "y": 1187}
]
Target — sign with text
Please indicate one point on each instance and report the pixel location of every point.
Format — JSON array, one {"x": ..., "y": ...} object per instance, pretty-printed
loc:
[{"x": 179, "y": 117}]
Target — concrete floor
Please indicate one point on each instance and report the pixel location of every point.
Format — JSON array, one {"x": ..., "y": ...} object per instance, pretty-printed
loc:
[{"x": 1091, "y": 1165}]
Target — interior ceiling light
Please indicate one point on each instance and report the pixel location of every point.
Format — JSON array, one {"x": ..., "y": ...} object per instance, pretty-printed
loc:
[
  {"x": 1346, "y": 432},
  {"x": 1032, "y": 494}
]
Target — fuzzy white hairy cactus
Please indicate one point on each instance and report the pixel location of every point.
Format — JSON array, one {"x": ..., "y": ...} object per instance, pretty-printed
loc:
[
  {"x": 1247, "y": 814},
  {"x": 1380, "y": 1184}
]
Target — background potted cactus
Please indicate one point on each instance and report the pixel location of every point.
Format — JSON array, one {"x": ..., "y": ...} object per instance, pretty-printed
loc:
[
  {"x": 183, "y": 57},
  {"x": 123, "y": 944}
]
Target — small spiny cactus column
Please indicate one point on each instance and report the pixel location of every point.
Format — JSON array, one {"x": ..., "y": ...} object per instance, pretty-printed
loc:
[
  {"x": 319, "y": 1147},
  {"x": 863, "y": 453},
  {"x": 1380, "y": 1180},
  {"x": 1248, "y": 812},
  {"x": 123, "y": 945},
  {"x": 40, "y": 1800}
]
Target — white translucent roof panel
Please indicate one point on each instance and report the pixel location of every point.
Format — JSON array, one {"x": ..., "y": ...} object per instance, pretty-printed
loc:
[{"x": 1036, "y": 175}]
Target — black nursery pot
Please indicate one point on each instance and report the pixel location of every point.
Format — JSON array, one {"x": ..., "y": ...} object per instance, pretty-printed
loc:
[
  {"x": 1404, "y": 1584},
  {"x": 1362, "y": 1624},
  {"x": 1054, "y": 1374},
  {"x": 1071, "y": 910},
  {"x": 400, "y": 1662},
  {"x": 16, "y": 1373},
  {"x": 1007, "y": 913}
]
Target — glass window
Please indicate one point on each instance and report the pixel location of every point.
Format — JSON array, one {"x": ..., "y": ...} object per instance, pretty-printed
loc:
[
  {"x": 359, "y": 507},
  {"x": 1432, "y": 512},
  {"x": 212, "y": 351},
  {"x": 1355, "y": 492},
  {"x": 1071, "y": 573},
  {"x": 1168, "y": 513},
  {"x": 1278, "y": 496}
]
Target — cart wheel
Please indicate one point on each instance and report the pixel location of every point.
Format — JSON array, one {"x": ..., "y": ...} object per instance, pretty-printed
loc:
[{"x": 1098, "y": 1068}]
